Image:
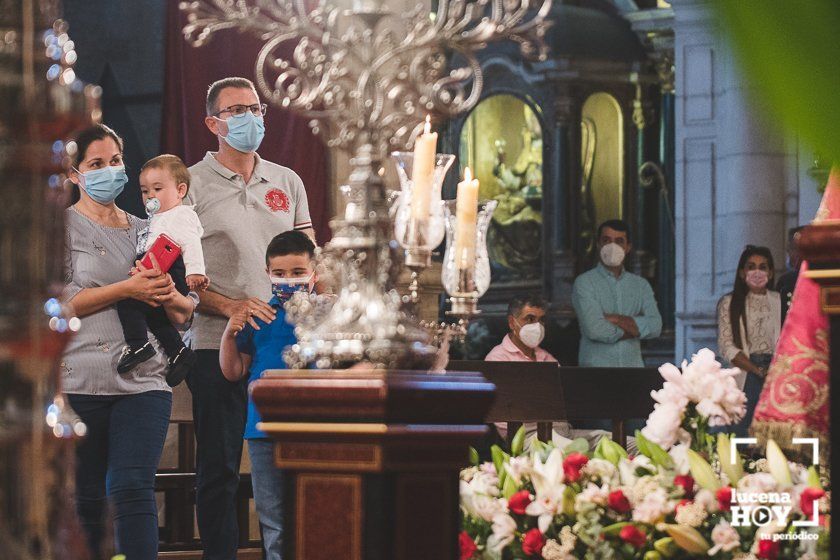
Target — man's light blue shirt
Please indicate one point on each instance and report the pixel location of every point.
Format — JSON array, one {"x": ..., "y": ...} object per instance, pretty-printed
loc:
[{"x": 598, "y": 292}]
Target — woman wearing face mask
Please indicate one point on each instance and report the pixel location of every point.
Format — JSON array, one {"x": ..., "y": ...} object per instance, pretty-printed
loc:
[
  {"x": 126, "y": 416},
  {"x": 749, "y": 321}
]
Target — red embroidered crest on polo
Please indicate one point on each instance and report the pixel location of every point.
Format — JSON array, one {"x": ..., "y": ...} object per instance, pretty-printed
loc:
[{"x": 277, "y": 200}]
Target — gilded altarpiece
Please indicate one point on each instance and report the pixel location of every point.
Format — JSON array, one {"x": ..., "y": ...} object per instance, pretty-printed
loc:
[{"x": 559, "y": 144}]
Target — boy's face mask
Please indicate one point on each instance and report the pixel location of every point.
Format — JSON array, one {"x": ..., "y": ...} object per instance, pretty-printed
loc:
[{"x": 284, "y": 288}]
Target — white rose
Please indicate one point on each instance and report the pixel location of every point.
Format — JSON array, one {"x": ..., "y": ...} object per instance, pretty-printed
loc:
[
  {"x": 679, "y": 453},
  {"x": 653, "y": 507},
  {"x": 602, "y": 469},
  {"x": 725, "y": 538},
  {"x": 487, "y": 507},
  {"x": 504, "y": 528},
  {"x": 707, "y": 499},
  {"x": 663, "y": 425}
]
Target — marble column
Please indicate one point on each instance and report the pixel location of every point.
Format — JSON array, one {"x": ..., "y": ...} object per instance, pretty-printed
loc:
[{"x": 733, "y": 175}]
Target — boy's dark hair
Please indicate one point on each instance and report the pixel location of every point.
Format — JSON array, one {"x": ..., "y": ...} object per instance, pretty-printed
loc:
[
  {"x": 290, "y": 243},
  {"x": 519, "y": 302},
  {"x": 216, "y": 88},
  {"x": 617, "y": 225}
]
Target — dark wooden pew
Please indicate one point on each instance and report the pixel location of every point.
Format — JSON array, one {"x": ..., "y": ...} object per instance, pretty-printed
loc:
[{"x": 542, "y": 392}]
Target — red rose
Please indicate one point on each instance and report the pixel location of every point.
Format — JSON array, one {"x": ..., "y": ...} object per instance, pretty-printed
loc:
[
  {"x": 724, "y": 498},
  {"x": 519, "y": 501},
  {"x": 468, "y": 547},
  {"x": 533, "y": 542},
  {"x": 808, "y": 498},
  {"x": 768, "y": 549},
  {"x": 572, "y": 465},
  {"x": 633, "y": 535},
  {"x": 618, "y": 501},
  {"x": 685, "y": 482}
]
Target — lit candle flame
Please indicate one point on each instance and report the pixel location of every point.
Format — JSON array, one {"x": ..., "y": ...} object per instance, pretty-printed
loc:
[
  {"x": 467, "y": 174},
  {"x": 427, "y": 128}
]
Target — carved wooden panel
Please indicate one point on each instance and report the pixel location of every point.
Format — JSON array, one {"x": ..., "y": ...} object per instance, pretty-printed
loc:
[
  {"x": 328, "y": 456},
  {"x": 328, "y": 517}
]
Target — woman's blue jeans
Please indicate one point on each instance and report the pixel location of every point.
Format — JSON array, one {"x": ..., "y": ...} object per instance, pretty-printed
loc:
[{"x": 116, "y": 464}]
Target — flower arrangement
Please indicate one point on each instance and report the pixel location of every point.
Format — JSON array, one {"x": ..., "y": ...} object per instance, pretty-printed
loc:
[{"x": 686, "y": 495}]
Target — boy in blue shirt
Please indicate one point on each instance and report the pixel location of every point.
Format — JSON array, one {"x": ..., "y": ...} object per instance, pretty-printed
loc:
[{"x": 250, "y": 346}]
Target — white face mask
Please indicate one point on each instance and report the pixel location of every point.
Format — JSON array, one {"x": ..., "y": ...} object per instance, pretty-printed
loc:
[
  {"x": 532, "y": 334},
  {"x": 612, "y": 254}
]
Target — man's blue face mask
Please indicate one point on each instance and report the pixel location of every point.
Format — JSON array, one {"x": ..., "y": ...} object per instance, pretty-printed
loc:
[{"x": 245, "y": 131}]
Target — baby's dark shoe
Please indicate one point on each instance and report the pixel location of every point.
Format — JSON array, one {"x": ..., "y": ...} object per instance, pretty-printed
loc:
[
  {"x": 180, "y": 366},
  {"x": 133, "y": 357}
]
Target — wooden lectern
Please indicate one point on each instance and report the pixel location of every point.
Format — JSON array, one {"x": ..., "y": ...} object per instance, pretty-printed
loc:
[{"x": 372, "y": 459}]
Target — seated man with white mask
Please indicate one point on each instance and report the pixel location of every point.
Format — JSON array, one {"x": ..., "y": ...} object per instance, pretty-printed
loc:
[
  {"x": 526, "y": 321},
  {"x": 526, "y": 316}
]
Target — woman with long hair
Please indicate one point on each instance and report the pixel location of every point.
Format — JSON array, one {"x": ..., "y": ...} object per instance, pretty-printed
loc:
[{"x": 749, "y": 321}]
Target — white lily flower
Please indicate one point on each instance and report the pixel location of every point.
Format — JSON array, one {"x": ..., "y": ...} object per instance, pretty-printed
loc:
[
  {"x": 546, "y": 506},
  {"x": 627, "y": 469},
  {"x": 548, "y": 475}
]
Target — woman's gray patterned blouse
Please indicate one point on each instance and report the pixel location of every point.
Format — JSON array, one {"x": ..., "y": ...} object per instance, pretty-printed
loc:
[{"x": 96, "y": 256}]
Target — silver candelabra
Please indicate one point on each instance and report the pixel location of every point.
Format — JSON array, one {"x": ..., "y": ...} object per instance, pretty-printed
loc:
[{"x": 367, "y": 76}]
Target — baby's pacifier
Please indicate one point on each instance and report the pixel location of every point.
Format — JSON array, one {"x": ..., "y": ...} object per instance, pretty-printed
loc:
[{"x": 152, "y": 206}]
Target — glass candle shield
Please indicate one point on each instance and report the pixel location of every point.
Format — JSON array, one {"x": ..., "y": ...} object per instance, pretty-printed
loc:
[
  {"x": 419, "y": 220},
  {"x": 466, "y": 266}
]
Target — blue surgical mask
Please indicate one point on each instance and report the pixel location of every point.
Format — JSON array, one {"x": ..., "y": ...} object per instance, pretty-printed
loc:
[
  {"x": 104, "y": 185},
  {"x": 245, "y": 132},
  {"x": 284, "y": 288}
]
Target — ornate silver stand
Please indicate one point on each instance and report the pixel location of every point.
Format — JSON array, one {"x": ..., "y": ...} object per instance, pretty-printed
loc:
[{"x": 367, "y": 77}]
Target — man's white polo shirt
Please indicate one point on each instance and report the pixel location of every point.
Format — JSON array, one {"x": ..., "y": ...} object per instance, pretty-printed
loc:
[{"x": 239, "y": 221}]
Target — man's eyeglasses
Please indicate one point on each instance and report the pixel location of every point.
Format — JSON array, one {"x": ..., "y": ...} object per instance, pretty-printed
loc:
[{"x": 258, "y": 109}]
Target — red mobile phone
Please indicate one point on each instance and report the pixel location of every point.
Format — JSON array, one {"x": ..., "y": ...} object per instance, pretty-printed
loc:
[{"x": 165, "y": 251}]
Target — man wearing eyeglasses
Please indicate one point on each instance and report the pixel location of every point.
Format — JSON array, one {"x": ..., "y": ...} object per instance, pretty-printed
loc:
[{"x": 243, "y": 201}]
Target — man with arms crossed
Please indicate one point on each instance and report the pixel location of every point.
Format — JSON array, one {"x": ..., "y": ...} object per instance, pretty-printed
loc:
[{"x": 615, "y": 308}]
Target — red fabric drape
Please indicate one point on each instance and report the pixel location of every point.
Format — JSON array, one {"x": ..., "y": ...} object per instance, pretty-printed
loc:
[{"x": 188, "y": 73}]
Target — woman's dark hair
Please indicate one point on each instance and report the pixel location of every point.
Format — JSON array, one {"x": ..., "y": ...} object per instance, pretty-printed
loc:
[
  {"x": 90, "y": 135},
  {"x": 737, "y": 307},
  {"x": 83, "y": 141}
]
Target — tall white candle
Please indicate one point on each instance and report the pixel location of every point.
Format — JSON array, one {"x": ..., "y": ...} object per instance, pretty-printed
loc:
[
  {"x": 466, "y": 217},
  {"x": 423, "y": 173}
]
